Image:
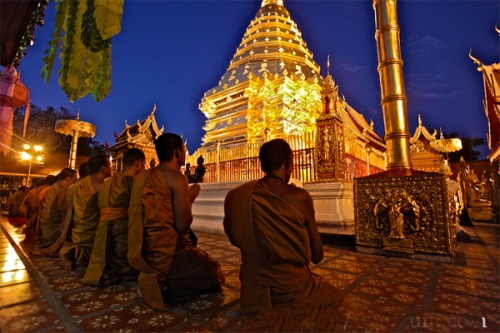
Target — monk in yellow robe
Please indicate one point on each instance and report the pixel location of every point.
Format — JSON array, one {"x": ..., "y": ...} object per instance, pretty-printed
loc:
[
  {"x": 50, "y": 217},
  {"x": 108, "y": 262},
  {"x": 53, "y": 250},
  {"x": 273, "y": 225},
  {"x": 81, "y": 223},
  {"x": 159, "y": 241}
]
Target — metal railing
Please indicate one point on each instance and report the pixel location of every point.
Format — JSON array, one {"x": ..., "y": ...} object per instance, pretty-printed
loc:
[{"x": 241, "y": 162}]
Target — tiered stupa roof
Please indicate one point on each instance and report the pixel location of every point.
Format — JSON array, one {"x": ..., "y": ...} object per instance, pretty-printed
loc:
[{"x": 272, "y": 43}]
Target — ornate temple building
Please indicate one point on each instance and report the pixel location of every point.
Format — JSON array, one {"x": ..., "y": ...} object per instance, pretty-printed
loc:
[
  {"x": 273, "y": 88},
  {"x": 426, "y": 149},
  {"x": 139, "y": 135}
]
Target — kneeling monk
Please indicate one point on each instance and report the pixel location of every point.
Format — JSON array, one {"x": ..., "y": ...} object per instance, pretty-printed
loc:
[
  {"x": 108, "y": 262},
  {"x": 159, "y": 239},
  {"x": 81, "y": 223},
  {"x": 274, "y": 226}
]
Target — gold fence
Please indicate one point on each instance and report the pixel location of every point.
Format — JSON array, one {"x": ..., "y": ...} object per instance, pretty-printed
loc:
[{"x": 241, "y": 161}]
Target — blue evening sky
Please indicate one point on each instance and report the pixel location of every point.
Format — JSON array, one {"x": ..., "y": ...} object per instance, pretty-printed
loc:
[{"x": 171, "y": 52}]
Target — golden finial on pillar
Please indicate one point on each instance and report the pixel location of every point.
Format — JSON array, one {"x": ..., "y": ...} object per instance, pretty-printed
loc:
[{"x": 328, "y": 65}]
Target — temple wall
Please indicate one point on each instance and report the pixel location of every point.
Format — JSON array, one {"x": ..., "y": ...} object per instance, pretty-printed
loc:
[{"x": 333, "y": 205}]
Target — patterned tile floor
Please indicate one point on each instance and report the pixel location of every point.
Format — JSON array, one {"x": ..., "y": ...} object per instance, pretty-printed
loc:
[{"x": 38, "y": 294}]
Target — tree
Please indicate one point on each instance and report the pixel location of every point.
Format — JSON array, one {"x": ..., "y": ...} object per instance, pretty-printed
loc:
[
  {"x": 41, "y": 131},
  {"x": 467, "y": 151}
]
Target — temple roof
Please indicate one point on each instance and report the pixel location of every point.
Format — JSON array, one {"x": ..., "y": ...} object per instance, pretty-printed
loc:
[
  {"x": 272, "y": 43},
  {"x": 491, "y": 75},
  {"x": 440, "y": 144},
  {"x": 140, "y": 127},
  {"x": 17, "y": 25}
]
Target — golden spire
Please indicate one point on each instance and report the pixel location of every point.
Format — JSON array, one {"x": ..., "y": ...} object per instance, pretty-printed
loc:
[
  {"x": 328, "y": 65},
  {"x": 272, "y": 2}
]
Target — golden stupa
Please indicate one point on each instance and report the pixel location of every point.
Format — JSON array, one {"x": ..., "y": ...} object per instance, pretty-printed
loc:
[
  {"x": 273, "y": 88},
  {"x": 272, "y": 84}
]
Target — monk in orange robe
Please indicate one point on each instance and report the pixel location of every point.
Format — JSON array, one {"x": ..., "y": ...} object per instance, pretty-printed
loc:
[
  {"x": 273, "y": 225},
  {"x": 31, "y": 203},
  {"x": 159, "y": 241},
  {"x": 108, "y": 262},
  {"x": 16, "y": 201},
  {"x": 51, "y": 218},
  {"x": 81, "y": 223}
]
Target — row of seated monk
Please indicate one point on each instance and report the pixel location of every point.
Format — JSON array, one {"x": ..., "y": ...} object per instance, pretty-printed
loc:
[{"x": 135, "y": 225}]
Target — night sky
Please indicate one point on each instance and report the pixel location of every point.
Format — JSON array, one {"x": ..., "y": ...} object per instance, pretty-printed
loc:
[{"x": 171, "y": 52}]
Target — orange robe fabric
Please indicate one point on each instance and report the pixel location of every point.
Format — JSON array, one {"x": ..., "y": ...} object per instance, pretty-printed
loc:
[
  {"x": 276, "y": 281},
  {"x": 108, "y": 262},
  {"x": 50, "y": 216},
  {"x": 158, "y": 251},
  {"x": 81, "y": 224},
  {"x": 31, "y": 205}
]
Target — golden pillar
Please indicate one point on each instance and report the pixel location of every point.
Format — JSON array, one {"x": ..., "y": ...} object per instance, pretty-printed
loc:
[
  {"x": 390, "y": 68},
  {"x": 400, "y": 212}
]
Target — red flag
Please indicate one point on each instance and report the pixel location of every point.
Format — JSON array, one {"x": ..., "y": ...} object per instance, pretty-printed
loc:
[{"x": 106, "y": 144}]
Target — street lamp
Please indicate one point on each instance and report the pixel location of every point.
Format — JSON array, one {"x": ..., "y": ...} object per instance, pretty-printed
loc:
[{"x": 28, "y": 154}]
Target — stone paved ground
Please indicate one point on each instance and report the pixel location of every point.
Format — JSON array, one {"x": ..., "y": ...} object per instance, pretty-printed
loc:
[{"x": 38, "y": 294}]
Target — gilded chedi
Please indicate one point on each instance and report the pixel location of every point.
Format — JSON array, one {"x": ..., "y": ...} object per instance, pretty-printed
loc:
[
  {"x": 273, "y": 89},
  {"x": 272, "y": 82}
]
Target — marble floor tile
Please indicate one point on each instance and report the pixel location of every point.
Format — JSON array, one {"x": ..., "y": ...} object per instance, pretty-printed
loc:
[
  {"x": 27, "y": 317},
  {"x": 53, "y": 270},
  {"x": 471, "y": 272},
  {"x": 348, "y": 266},
  {"x": 393, "y": 272},
  {"x": 339, "y": 279},
  {"x": 133, "y": 318},
  {"x": 223, "y": 321},
  {"x": 83, "y": 302},
  {"x": 332, "y": 251},
  {"x": 463, "y": 304},
  {"x": 18, "y": 293},
  {"x": 485, "y": 289},
  {"x": 65, "y": 283},
  {"x": 394, "y": 291},
  {"x": 481, "y": 263},
  {"x": 363, "y": 258},
  {"x": 194, "y": 328},
  {"x": 233, "y": 262},
  {"x": 233, "y": 279},
  {"x": 41, "y": 261},
  {"x": 410, "y": 264},
  {"x": 455, "y": 284},
  {"x": 209, "y": 302}
]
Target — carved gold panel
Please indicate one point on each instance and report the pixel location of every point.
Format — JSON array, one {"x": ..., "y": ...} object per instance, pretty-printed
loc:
[{"x": 408, "y": 214}]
